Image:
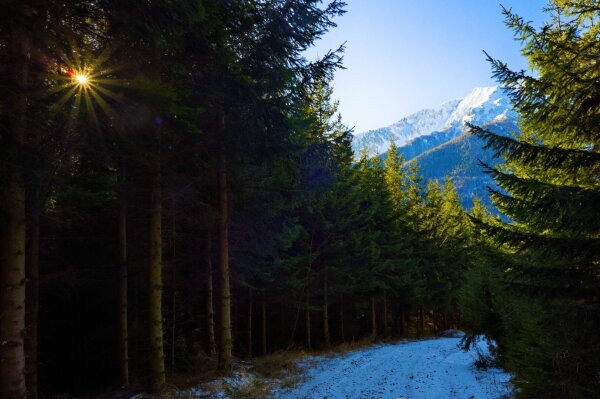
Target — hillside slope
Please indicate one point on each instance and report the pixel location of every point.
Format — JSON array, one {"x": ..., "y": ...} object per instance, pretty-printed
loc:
[
  {"x": 449, "y": 150},
  {"x": 460, "y": 158}
]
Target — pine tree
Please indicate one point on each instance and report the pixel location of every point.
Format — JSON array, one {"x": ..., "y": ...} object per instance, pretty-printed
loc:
[
  {"x": 25, "y": 52},
  {"x": 551, "y": 194}
]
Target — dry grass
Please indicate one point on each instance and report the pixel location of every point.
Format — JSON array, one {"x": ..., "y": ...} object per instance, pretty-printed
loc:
[
  {"x": 350, "y": 346},
  {"x": 278, "y": 364},
  {"x": 255, "y": 379}
]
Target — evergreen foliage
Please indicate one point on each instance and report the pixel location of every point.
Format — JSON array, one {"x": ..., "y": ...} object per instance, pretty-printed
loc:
[
  {"x": 550, "y": 193},
  {"x": 198, "y": 200}
]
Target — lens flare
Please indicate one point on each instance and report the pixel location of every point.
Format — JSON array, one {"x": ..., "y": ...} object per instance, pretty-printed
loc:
[
  {"x": 85, "y": 81},
  {"x": 81, "y": 79}
]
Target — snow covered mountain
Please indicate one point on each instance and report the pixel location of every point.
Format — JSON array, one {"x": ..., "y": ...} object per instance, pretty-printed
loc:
[
  {"x": 406, "y": 129},
  {"x": 459, "y": 159},
  {"x": 438, "y": 140},
  {"x": 431, "y": 127}
]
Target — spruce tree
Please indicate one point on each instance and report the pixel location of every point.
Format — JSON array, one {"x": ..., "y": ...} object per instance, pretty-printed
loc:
[{"x": 551, "y": 195}]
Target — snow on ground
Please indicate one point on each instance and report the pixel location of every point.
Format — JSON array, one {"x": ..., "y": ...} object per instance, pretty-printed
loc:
[{"x": 427, "y": 369}]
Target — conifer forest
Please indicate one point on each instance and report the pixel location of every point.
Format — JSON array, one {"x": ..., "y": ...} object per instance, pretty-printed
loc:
[{"x": 179, "y": 195}]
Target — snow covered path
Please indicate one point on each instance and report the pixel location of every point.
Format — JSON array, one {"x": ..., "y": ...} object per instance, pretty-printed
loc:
[{"x": 427, "y": 369}]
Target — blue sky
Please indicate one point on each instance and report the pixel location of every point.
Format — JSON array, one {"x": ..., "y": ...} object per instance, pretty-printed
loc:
[{"x": 406, "y": 55}]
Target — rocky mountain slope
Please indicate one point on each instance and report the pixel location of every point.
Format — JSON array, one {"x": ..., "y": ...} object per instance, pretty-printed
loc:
[{"x": 438, "y": 139}]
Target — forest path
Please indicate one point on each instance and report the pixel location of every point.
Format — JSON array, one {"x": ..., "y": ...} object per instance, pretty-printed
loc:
[{"x": 426, "y": 369}]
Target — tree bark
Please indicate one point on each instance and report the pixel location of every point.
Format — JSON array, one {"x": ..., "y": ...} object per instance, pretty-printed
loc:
[
  {"x": 421, "y": 322},
  {"x": 32, "y": 303},
  {"x": 210, "y": 312},
  {"x": 225, "y": 353},
  {"x": 402, "y": 322},
  {"x": 13, "y": 230},
  {"x": 250, "y": 322},
  {"x": 12, "y": 289},
  {"x": 385, "y": 316},
  {"x": 123, "y": 328},
  {"x": 156, "y": 362},
  {"x": 342, "y": 332},
  {"x": 308, "y": 341},
  {"x": 264, "y": 326},
  {"x": 373, "y": 318},
  {"x": 296, "y": 320},
  {"x": 445, "y": 320},
  {"x": 173, "y": 291},
  {"x": 308, "y": 272},
  {"x": 326, "y": 337}
]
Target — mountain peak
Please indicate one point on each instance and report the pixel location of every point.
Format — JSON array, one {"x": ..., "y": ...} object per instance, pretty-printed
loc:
[
  {"x": 481, "y": 105},
  {"x": 477, "y": 107},
  {"x": 479, "y": 95}
]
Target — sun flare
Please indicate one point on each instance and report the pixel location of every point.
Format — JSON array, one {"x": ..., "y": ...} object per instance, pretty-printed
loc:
[
  {"x": 88, "y": 81},
  {"x": 81, "y": 79}
]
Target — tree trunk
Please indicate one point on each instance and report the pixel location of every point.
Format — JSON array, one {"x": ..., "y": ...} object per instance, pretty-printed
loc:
[
  {"x": 155, "y": 285},
  {"x": 12, "y": 289},
  {"x": 342, "y": 333},
  {"x": 373, "y": 318},
  {"x": 13, "y": 232},
  {"x": 385, "y": 316},
  {"x": 32, "y": 303},
  {"x": 445, "y": 320},
  {"x": 225, "y": 353},
  {"x": 210, "y": 312},
  {"x": 296, "y": 320},
  {"x": 308, "y": 342},
  {"x": 173, "y": 291},
  {"x": 421, "y": 322},
  {"x": 123, "y": 330},
  {"x": 250, "y": 322},
  {"x": 326, "y": 337},
  {"x": 402, "y": 322},
  {"x": 264, "y": 326}
]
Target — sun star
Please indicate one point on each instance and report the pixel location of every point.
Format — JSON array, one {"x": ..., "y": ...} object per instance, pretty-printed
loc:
[{"x": 81, "y": 79}]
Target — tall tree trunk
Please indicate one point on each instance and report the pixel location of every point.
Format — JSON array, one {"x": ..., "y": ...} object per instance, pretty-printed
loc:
[
  {"x": 308, "y": 273},
  {"x": 12, "y": 289},
  {"x": 342, "y": 332},
  {"x": 326, "y": 337},
  {"x": 373, "y": 318},
  {"x": 421, "y": 322},
  {"x": 225, "y": 353},
  {"x": 249, "y": 322},
  {"x": 155, "y": 285},
  {"x": 308, "y": 341},
  {"x": 402, "y": 322},
  {"x": 32, "y": 303},
  {"x": 123, "y": 328},
  {"x": 296, "y": 320},
  {"x": 385, "y": 316},
  {"x": 173, "y": 289},
  {"x": 445, "y": 320},
  {"x": 210, "y": 312},
  {"x": 12, "y": 230},
  {"x": 264, "y": 326}
]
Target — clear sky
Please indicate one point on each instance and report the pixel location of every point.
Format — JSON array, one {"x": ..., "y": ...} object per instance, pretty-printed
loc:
[{"x": 406, "y": 55}]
